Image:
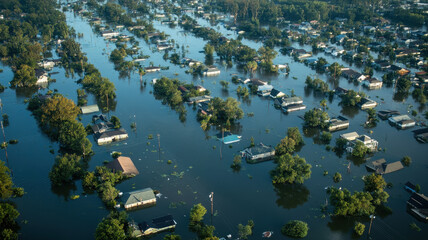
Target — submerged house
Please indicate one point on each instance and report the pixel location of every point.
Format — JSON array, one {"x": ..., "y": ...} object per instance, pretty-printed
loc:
[
  {"x": 276, "y": 94},
  {"x": 140, "y": 198},
  {"x": 42, "y": 77},
  {"x": 211, "y": 71},
  {"x": 418, "y": 206},
  {"x": 258, "y": 153},
  {"x": 421, "y": 135},
  {"x": 366, "y": 103},
  {"x": 338, "y": 123},
  {"x": 152, "y": 69},
  {"x": 293, "y": 107},
  {"x": 264, "y": 90},
  {"x": 368, "y": 142},
  {"x": 158, "y": 225},
  {"x": 350, "y": 136},
  {"x": 124, "y": 165},
  {"x": 372, "y": 83},
  {"x": 89, "y": 109},
  {"x": 283, "y": 102},
  {"x": 381, "y": 167},
  {"x": 385, "y": 114},
  {"x": 110, "y": 136},
  {"x": 402, "y": 121}
]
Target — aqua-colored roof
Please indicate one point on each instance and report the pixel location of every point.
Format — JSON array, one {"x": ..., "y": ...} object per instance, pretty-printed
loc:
[{"x": 231, "y": 139}]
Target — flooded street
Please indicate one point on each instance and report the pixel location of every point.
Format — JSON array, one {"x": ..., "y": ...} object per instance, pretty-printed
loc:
[{"x": 200, "y": 163}]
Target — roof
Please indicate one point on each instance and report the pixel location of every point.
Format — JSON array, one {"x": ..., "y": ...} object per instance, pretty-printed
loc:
[
  {"x": 111, "y": 133},
  {"x": 399, "y": 118},
  {"x": 164, "y": 221},
  {"x": 230, "y": 139},
  {"x": 392, "y": 167},
  {"x": 381, "y": 167},
  {"x": 265, "y": 88},
  {"x": 292, "y": 100},
  {"x": 89, "y": 109},
  {"x": 350, "y": 136},
  {"x": 260, "y": 149},
  {"x": 123, "y": 164},
  {"x": 139, "y": 196},
  {"x": 418, "y": 200},
  {"x": 364, "y": 138}
]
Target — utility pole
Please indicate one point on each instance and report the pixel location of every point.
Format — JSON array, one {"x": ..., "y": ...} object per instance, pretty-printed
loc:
[{"x": 371, "y": 221}]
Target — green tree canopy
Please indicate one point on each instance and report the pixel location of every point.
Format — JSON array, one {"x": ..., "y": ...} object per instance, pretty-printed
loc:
[
  {"x": 25, "y": 76},
  {"x": 65, "y": 169},
  {"x": 290, "y": 169},
  {"x": 295, "y": 229},
  {"x": 57, "y": 110},
  {"x": 316, "y": 118},
  {"x": 72, "y": 136},
  {"x": 197, "y": 213},
  {"x": 110, "y": 229}
]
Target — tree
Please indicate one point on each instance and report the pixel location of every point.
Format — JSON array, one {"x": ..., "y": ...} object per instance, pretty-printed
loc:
[
  {"x": 251, "y": 66},
  {"x": 57, "y": 110},
  {"x": 209, "y": 50},
  {"x": 287, "y": 145},
  {"x": 323, "y": 104},
  {"x": 335, "y": 70},
  {"x": 224, "y": 84},
  {"x": 172, "y": 237},
  {"x": 295, "y": 229},
  {"x": 72, "y": 136},
  {"x": 316, "y": 118},
  {"x": 116, "y": 121},
  {"x": 244, "y": 231},
  {"x": 337, "y": 177},
  {"x": 359, "y": 149},
  {"x": 8, "y": 224},
  {"x": 65, "y": 169},
  {"x": 197, "y": 213},
  {"x": 359, "y": 228},
  {"x": 110, "y": 229},
  {"x": 6, "y": 184},
  {"x": 406, "y": 161},
  {"x": 350, "y": 99},
  {"x": 374, "y": 182},
  {"x": 347, "y": 204},
  {"x": 25, "y": 76},
  {"x": 294, "y": 133},
  {"x": 290, "y": 169},
  {"x": 236, "y": 164},
  {"x": 325, "y": 137}
]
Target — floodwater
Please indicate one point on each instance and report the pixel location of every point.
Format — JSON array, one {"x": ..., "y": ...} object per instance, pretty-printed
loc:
[{"x": 200, "y": 164}]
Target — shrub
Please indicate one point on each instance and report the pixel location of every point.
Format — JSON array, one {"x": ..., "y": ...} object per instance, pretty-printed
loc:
[
  {"x": 295, "y": 229},
  {"x": 359, "y": 228}
]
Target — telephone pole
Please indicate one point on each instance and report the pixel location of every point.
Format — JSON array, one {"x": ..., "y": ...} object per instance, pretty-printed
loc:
[{"x": 371, "y": 221}]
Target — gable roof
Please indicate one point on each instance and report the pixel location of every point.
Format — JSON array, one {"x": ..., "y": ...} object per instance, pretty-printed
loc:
[
  {"x": 140, "y": 196},
  {"x": 123, "y": 164}
]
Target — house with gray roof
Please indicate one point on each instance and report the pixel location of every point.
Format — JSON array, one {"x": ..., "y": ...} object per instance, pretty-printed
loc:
[{"x": 140, "y": 198}]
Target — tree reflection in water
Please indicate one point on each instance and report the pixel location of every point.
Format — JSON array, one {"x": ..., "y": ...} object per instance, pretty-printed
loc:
[{"x": 291, "y": 195}]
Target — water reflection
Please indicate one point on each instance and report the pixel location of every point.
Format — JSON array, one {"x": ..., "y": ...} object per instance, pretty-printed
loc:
[
  {"x": 341, "y": 224},
  {"x": 350, "y": 111},
  {"x": 291, "y": 195},
  {"x": 25, "y": 92},
  {"x": 64, "y": 190}
]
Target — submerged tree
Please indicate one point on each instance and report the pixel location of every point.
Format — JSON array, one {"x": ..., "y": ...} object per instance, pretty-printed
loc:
[{"x": 290, "y": 169}]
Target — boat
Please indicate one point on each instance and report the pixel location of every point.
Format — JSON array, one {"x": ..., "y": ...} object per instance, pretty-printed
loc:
[{"x": 267, "y": 234}]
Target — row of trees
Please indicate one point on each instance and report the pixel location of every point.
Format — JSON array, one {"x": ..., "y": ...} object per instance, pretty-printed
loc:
[
  {"x": 360, "y": 203},
  {"x": 8, "y": 213}
]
